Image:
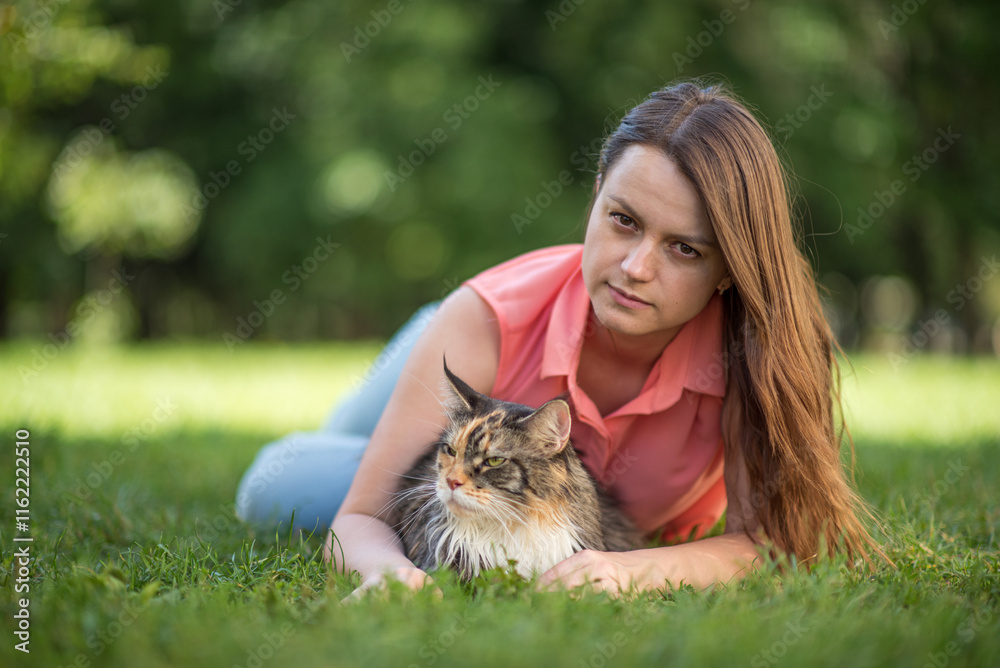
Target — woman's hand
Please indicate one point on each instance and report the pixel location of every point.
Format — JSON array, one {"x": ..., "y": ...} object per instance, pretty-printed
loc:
[
  {"x": 412, "y": 577},
  {"x": 612, "y": 572},
  {"x": 701, "y": 564}
]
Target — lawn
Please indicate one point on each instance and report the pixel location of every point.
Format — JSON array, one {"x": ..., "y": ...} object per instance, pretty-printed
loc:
[{"x": 137, "y": 559}]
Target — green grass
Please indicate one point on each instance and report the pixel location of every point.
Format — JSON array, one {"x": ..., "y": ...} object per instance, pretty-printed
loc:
[{"x": 148, "y": 567}]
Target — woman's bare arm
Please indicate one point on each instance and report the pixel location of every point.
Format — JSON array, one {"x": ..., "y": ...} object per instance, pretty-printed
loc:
[
  {"x": 701, "y": 563},
  {"x": 465, "y": 329}
]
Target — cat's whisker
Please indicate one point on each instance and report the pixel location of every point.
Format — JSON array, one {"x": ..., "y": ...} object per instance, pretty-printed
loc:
[
  {"x": 416, "y": 489},
  {"x": 421, "y": 478},
  {"x": 407, "y": 475},
  {"x": 414, "y": 492},
  {"x": 433, "y": 393},
  {"x": 409, "y": 522},
  {"x": 397, "y": 498},
  {"x": 512, "y": 501},
  {"x": 495, "y": 512},
  {"x": 416, "y": 514},
  {"x": 515, "y": 512},
  {"x": 436, "y": 425},
  {"x": 501, "y": 504}
]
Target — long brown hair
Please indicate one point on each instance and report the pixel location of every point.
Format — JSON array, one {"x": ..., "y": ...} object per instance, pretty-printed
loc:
[{"x": 783, "y": 380}]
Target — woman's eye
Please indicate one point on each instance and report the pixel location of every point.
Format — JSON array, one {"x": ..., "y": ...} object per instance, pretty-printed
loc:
[
  {"x": 623, "y": 220},
  {"x": 495, "y": 461},
  {"x": 686, "y": 250}
]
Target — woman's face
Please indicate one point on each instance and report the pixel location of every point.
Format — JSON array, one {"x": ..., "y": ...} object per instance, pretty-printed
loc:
[{"x": 650, "y": 258}]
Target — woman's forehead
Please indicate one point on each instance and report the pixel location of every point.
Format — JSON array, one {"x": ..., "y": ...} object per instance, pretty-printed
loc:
[{"x": 657, "y": 193}]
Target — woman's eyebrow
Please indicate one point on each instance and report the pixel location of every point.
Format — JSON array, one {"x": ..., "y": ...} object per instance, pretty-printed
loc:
[{"x": 689, "y": 239}]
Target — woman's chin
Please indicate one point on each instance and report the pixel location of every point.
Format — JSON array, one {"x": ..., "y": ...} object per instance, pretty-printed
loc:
[{"x": 623, "y": 321}]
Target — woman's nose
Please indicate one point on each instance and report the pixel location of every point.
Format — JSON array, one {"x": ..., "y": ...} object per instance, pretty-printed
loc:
[{"x": 638, "y": 263}]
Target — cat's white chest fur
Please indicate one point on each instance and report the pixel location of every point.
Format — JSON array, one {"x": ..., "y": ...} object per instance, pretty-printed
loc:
[{"x": 535, "y": 546}]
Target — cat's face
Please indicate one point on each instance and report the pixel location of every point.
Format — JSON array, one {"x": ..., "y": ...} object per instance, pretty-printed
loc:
[{"x": 499, "y": 459}]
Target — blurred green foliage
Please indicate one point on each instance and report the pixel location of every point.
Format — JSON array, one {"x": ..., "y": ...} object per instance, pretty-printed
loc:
[{"x": 320, "y": 169}]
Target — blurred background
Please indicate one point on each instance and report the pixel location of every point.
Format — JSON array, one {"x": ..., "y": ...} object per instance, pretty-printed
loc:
[{"x": 235, "y": 170}]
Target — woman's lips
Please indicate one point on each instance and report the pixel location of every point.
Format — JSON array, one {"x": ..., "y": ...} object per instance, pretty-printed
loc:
[{"x": 627, "y": 300}]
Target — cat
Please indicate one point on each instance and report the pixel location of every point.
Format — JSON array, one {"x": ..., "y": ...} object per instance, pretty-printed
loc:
[{"x": 504, "y": 483}]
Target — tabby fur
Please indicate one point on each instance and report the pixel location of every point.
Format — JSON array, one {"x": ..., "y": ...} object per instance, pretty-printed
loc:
[{"x": 503, "y": 484}]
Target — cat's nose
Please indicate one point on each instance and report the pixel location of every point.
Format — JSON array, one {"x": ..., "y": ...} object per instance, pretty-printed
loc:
[{"x": 452, "y": 483}]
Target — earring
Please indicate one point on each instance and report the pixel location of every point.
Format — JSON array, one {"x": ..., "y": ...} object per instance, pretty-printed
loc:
[{"x": 721, "y": 290}]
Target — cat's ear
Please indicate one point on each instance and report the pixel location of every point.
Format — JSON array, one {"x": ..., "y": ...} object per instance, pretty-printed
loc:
[
  {"x": 550, "y": 426},
  {"x": 466, "y": 397}
]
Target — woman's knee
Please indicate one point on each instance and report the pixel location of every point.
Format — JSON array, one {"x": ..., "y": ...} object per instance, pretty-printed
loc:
[{"x": 305, "y": 473}]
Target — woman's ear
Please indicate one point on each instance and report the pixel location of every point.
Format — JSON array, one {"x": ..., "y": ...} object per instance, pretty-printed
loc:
[{"x": 725, "y": 284}]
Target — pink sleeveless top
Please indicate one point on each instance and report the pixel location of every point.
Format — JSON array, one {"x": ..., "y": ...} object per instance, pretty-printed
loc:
[{"x": 661, "y": 454}]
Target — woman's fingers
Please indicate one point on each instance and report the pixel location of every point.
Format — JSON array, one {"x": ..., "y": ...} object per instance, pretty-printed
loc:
[
  {"x": 591, "y": 569},
  {"x": 575, "y": 571},
  {"x": 413, "y": 578}
]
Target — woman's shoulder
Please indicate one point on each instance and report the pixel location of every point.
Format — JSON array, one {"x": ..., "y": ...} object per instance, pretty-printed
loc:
[{"x": 521, "y": 292}]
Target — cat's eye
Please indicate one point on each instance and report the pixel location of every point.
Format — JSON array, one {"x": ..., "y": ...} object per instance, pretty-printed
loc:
[
  {"x": 450, "y": 451},
  {"x": 495, "y": 461}
]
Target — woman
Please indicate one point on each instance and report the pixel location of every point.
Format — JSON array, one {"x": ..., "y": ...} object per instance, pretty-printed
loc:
[{"x": 689, "y": 335}]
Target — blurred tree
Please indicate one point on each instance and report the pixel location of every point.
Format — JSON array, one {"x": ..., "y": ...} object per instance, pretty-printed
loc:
[{"x": 424, "y": 142}]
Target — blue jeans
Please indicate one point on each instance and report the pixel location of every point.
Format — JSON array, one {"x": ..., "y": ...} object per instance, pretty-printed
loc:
[{"x": 310, "y": 472}]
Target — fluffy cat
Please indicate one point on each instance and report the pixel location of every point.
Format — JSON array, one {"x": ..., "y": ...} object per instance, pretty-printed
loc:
[{"x": 504, "y": 483}]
